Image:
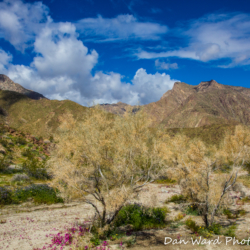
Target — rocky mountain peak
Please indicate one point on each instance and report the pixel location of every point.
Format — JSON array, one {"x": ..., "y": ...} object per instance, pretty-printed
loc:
[
  {"x": 203, "y": 86},
  {"x": 4, "y": 78},
  {"x": 7, "y": 84}
]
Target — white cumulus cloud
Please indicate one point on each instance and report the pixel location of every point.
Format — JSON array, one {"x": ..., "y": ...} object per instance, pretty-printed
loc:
[
  {"x": 62, "y": 70},
  {"x": 63, "y": 67},
  {"x": 20, "y": 22}
]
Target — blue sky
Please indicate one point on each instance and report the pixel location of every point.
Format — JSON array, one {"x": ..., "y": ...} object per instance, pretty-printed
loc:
[{"x": 123, "y": 50}]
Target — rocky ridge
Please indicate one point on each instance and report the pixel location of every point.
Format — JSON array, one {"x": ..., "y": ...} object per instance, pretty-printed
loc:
[
  {"x": 7, "y": 84},
  {"x": 193, "y": 106}
]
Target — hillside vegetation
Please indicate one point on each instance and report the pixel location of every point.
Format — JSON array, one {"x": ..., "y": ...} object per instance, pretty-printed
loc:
[{"x": 37, "y": 117}]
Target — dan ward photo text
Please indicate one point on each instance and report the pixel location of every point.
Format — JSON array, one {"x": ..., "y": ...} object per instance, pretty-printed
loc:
[{"x": 203, "y": 241}]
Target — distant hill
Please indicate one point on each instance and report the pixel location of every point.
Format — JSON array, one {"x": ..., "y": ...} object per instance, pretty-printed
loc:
[
  {"x": 206, "y": 110},
  {"x": 7, "y": 84},
  {"x": 188, "y": 106},
  {"x": 31, "y": 112}
]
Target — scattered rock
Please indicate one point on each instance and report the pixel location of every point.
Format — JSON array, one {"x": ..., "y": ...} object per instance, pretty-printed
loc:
[
  {"x": 46, "y": 141},
  {"x": 43, "y": 157},
  {"x": 14, "y": 167},
  {"x": 23, "y": 120}
]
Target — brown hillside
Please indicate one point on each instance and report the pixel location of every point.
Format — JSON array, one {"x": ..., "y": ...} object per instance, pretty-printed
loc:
[
  {"x": 194, "y": 106},
  {"x": 208, "y": 103},
  {"x": 185, "y": 106},
  {"x": 37, "y": 117}
]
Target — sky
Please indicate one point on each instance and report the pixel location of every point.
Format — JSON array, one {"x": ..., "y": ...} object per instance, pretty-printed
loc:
[{"x": 132, "y": 51}]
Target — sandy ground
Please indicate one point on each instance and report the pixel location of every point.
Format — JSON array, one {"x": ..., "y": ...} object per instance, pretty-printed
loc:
[
  {"x": 29, "y": 230},
  {"x": 29, "y": 227}
]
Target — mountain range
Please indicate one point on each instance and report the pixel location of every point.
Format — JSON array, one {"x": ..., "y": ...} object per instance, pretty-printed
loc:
[
  {"x": 189, "y": 106},
  {"x": 184, "y": 106}
]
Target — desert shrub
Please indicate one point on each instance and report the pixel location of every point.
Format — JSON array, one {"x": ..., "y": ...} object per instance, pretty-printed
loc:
[
  {"x": 247, "y": 166},
  {"x": 192, "y": 225},
  {"x": 40, "y": 193},
  {"x": 109, "y": 157},
  {"x": 193, "y": 210},
  {"x": 203, "y": 231},
  {"x": 176, "y": 224},
  {"x": 215, "y": 228},
  {"x": 196, "y": 166},
  {"x": 20, "y": 177},
  {"x": 165, "y": 181},
  {"x": 229, "y": 214},
  {"x": 51, "y": 138},
  {"x": 4, "y": 164},
  {"x": 95, "y": 241},
  {"x": 246, "y": 199},
  {"x": 28, "y": 153},
  {"x": 235, "y": 214},
  {"x": 4, "y": 142},
  {"x": 5, "y": 196},
  {"x": 230, "y": 231},
  {"x": 141, "y": 217},
  {"x": 177, "y": 198},
  {"x": 180, "y": 216},
  {"x": 241, "y": 212},
  {"x": 21, "y": 140},
  {"x": 36, "y": 169}
]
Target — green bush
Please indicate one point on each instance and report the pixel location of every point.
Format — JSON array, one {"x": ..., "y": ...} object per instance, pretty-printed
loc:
[
  {"x": 247, "y": 166},
  {"x": 28, "y": 153},
  {"x": 228, "y": 213},
  {"x": 4, "y": 164},
  {"x": 5, "y": 196},
  {"x": 40, "y": 193},
  {"x": 241, "y": 212},
  {"x": 4, "y": 142},
  {"x": 230, "y": 231},
  {"x": 141, "y": 217},
  {"x": 192, "y": 225},
  {"x": 177, "y": 198},
  {"x": 21, "y": 141},
  {"x": 203, "y": 231},
  {"x": 215, "y": 228},
  {"x": 193, "y": 210},
  {"x": 95, "y": 241},
  {"x": 36, "y": 169}
]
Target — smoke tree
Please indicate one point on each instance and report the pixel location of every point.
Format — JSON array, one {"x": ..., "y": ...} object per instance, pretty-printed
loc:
[
  {"x": 196, "y": 165},
  {"x": 106, "y": 159}
]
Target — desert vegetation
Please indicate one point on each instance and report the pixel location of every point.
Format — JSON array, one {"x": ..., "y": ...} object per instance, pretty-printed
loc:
[
  {"x": 111, "y": 158},
  {"x": 109, "y": 161}
]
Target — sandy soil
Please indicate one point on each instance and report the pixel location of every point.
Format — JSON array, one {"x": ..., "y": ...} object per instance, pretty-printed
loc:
[
  {"x": 29, "y": 227},
  {"x": 32, "y": 229}
]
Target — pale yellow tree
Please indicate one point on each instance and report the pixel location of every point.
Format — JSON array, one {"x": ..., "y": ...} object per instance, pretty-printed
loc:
[
  {"x": 196, "y": 165},
  {"x": 106, "y": 159}
]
